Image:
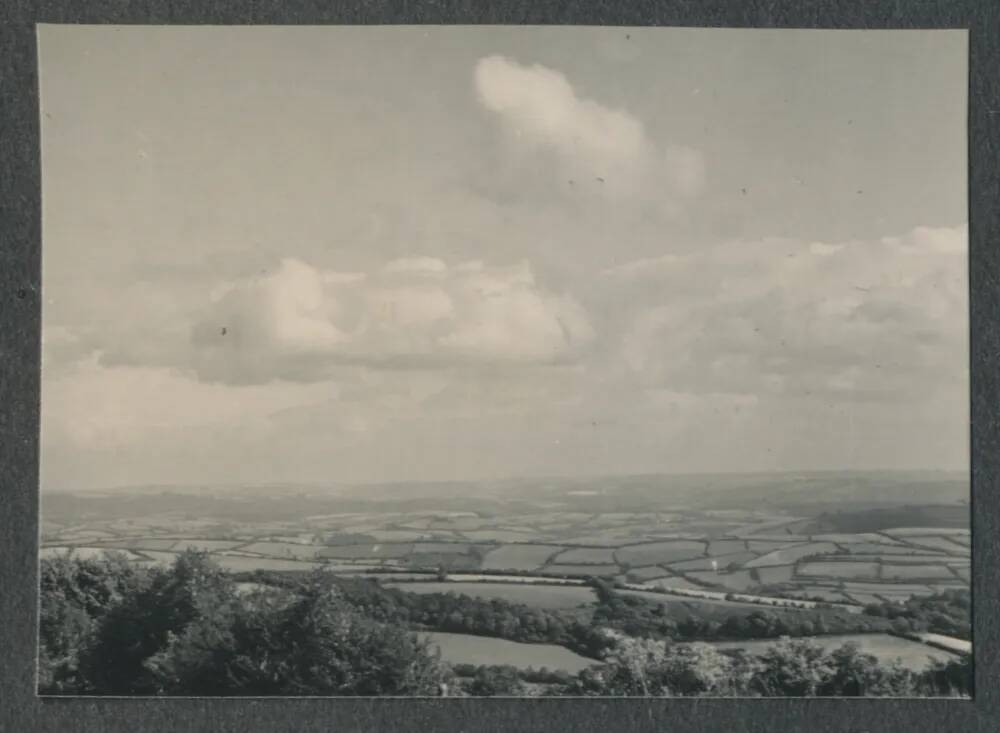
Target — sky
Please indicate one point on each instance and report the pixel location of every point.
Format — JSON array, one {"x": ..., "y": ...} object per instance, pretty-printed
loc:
[{"x": 350, "y": 254}]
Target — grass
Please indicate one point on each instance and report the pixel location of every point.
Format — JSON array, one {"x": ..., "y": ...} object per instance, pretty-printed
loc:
[
  {"x": 928, "y": 531},
  {"x": 498, "y": 535},
  {"x": 677, "y": 582},
  {"x": 739, "y": 580},
  {"x": 376, "y": 550},
  {"x": 600, "y": 571},
  {"x": 938, "y": 543},
  {"x": 916, "y": 572},
  {"x": 873, "y": 548},
  {"x": 244, "y": 564},
  {"x": 835, "y": 569},
  {"x": 648, "y": 572},
  {"x": 519, "y": 557},
  {"x": 791, "y": 554},
  {"x": 85, "y": 553},
  {"x": 477, "y": 650},
  {"x": 765, "y": 546},
  {"x": 726, "y": 547},
  {"x": 585, "y": 555},
  {"x": 705, "y": 563},
  {"x": 660, "y": 552},
  {"x": 208, "y": 545},
  {"x": 776, "y": 574},
  {"x": 549, "y": 597},
  {"x": 283, "y": 550}
]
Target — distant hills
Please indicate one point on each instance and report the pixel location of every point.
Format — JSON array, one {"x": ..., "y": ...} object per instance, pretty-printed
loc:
[{"x": 808, "y": 493}]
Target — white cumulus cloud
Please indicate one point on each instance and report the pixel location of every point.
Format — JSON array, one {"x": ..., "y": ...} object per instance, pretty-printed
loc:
[
  {"x": 300, "y": 321},
  {"x": 541, "y": 111},
  {"x": 867, "y": 320}
]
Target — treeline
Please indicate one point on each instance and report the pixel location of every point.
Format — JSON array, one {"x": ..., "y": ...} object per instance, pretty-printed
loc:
[
  {"x": 642, "y": 617},
  {"x": 459, "y": 613},
  {"x": 110, "y": 627},
  {"x": 948, "y": 613},
  {"x": 791, "y": 667}
]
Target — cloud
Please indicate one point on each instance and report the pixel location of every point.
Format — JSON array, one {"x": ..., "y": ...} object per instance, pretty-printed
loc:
[
  {"x": 541, "y": 105},
  {"x": 135, "y": 401},
  {"x": 861, "y": 320},
  {"x": 299, "y": 322},
  {"x": 542, "y": 112}
]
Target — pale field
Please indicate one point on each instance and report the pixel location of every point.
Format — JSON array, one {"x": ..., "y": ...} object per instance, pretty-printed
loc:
[
  {"x": 550, "y": 597},
  {"x": 927, "y": 531},
  {"x": 283, "y": 550},
  {"x": 776, "y": 574},
  {"x": 85, "y": 553},
  {"x": 675, "y": 582},
  {"x": 791, "y": 554},
  {"x": 659, "y": 552},
  {"x": 649, "y": 572},
  {"x": 873, "y": 548},
  {"x": 737, "y": 581},
  {"x": 705, "y": 563},
  {"x": 939, "y": 543},
  {"x": 368, "y": 550},
  {"x": 586, "y": 555},
  {"x": 595, "y": 570},
  {"x": 519, "y": 557},
  {"x": 916, "y": 572},
  {"x": 479, "y": 650},
  {"x": 208, "y": 545},
  {"x": 726, "y": 547},
  {"x": 835, "y": 569},
  {"x": 766, "y": 546}
]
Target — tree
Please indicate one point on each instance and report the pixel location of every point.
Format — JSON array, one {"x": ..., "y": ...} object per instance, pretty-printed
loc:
[
  {"x": 792, "y": 668},
  {"x": 695, "y": 669},
  {"x": 74, "y": 594},
  {"x": 856, "y": 674},
  {"x": 310, "y": 642},
  {"x": 495, "y": 681},
  {"x": 952, "y": 677},
  {"x": 149, "y": 617}
]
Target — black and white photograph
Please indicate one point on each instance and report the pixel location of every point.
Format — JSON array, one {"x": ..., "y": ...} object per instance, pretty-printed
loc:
[{"x": 499, "y": 361}]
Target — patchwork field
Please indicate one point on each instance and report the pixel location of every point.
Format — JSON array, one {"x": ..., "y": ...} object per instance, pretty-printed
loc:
[
  {"x": 519, "y": 557},
  {"x": 765, "y": 552},
  {"x": 835, "y": 569},
  {"x": 597, "y": 571},
  {"x": 791, "y": 554},
  {"x": 659, "y": 552},
  {"x": 585, "y": 555}
]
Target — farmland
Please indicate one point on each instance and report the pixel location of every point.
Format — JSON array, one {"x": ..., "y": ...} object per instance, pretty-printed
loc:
[
  {"x": 518, "y": 575},
  {"x": 536, "y": 595},
  {"x": 477, "y": 650},
  {"x": 641, "y": 530}
]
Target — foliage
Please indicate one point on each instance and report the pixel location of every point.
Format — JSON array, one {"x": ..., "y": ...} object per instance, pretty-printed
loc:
[
  {"x": 150, "y": 617},
  {"x": 108, "y": 627},
  {"x": 946, "y": 613},
  {"x": 952, "y": 678},
  {"x": 74, "y": 593},
  {"x": 495, "y": 681},
  {"x": 184, "y": 630},
  {"x": 693, "y": 621}
]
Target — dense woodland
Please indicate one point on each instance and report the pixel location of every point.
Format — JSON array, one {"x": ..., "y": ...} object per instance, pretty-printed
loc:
[{"x": 111, "y": 627}]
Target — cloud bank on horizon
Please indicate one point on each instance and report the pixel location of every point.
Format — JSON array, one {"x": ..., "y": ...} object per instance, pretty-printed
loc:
[{"x": 572, "y": 314}]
